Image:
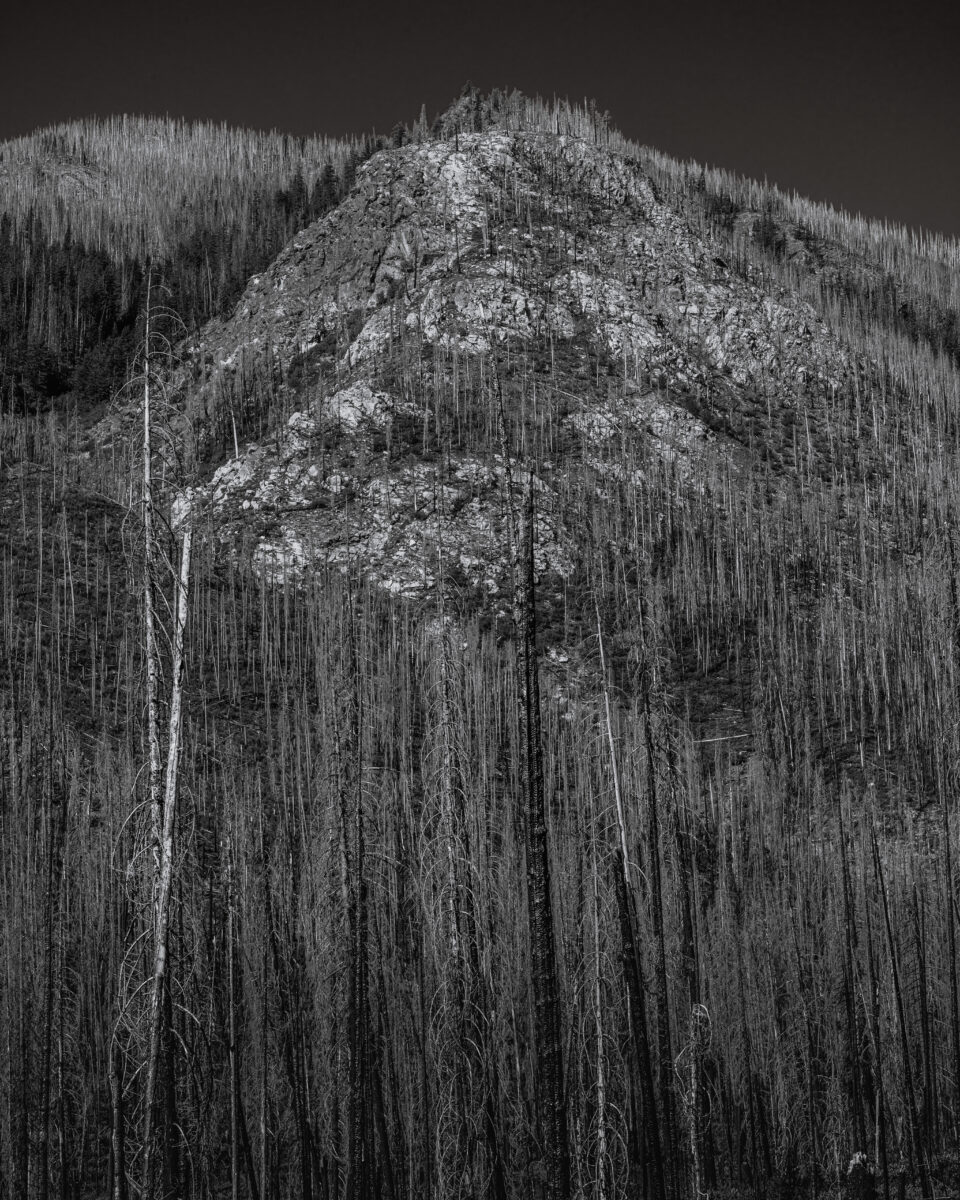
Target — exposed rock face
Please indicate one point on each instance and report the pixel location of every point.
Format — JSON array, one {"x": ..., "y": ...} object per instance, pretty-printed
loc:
[{"x": 538, "y": 272}]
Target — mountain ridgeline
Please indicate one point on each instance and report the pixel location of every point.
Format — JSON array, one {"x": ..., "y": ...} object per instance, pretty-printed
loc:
[{"x": 479, "y": 707}]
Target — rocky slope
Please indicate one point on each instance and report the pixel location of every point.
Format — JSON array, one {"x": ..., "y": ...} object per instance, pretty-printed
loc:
[{"x": 473, "y": 259}]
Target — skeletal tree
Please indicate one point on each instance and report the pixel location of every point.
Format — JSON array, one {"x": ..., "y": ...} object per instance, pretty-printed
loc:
[
  {"x": 545, "y": 981},
  {"x": 543, "y": 951},
  {"x": 158, "y": 1132},
  {"x": 159, "y": 1000},
  {"x": 632, "y": 955}
]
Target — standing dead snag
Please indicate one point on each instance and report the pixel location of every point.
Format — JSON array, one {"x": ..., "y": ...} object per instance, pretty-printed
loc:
[
  {"x": 543, "y": 953},
  {"x": 464, "y": 1053},
  {"x": 689, "y": 1068},
  {"x": 151, "y": 654},
  {"x": 548, "y": 1034},
  {"x": 633, "y": 963},
  {"x": 948, "y": 793},
  {"x": 913, "y": 1113},
  {"x": 159, "y": 1005},
  {"x": 163, "y": 790}
]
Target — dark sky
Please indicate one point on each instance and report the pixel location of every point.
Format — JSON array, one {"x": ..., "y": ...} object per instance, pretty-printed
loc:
[{"x": 841, "y": 101}]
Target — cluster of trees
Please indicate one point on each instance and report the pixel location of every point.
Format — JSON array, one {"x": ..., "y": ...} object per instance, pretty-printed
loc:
[
  {"x": 671, "y": 911},
  {"x": 85, "y": 207},
  {"x": 67, "y": 319}
]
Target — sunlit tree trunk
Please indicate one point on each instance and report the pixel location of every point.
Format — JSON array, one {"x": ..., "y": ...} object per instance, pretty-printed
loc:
[
  {"x": 151, "y": 654},
  {"x": 160, "y": 1007},
  {"x": 545, "y": 973}
]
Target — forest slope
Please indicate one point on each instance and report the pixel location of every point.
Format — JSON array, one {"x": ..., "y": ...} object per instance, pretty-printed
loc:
[{"x": 539, "y": 469}]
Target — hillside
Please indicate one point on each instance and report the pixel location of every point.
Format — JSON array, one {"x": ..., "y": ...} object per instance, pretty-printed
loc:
[
  {"x": 85, "y": 206},
  {"x": 564, "y": 801}
]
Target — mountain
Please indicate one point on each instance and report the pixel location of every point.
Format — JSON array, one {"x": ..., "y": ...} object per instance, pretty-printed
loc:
[
  {"x": 508, "y": 745},
  {"x": 620, "y": 321}
]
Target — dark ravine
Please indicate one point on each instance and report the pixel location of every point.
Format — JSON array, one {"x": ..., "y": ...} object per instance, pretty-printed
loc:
[{"x": 570, "y": 712}]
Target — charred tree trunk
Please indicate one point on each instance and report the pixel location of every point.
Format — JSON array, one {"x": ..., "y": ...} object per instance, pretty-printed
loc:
[
  {"x": 633, "y": 968},
  {"x": 911, "y": 1097},
  {"x": 360, "y": 1172},
  {"x": 951, "y": 784},
  {"x": 118, "y": 1134}
]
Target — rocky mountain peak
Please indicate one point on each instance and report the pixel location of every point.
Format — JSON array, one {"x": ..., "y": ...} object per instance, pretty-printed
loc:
[{"x": 536, "y": 269}]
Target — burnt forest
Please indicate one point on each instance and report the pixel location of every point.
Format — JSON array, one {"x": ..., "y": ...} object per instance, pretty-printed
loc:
[{"x": 479, "y": 671}]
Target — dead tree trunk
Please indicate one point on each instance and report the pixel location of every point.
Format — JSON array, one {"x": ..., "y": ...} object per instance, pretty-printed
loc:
[
  {"x": 545, "y": 974},
  {"x": 159, "y": 1005},
  {"x": 548, "y": 1035},
  {"x": 155, "y": 777},
  {"x": 633, "y": 966}
]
